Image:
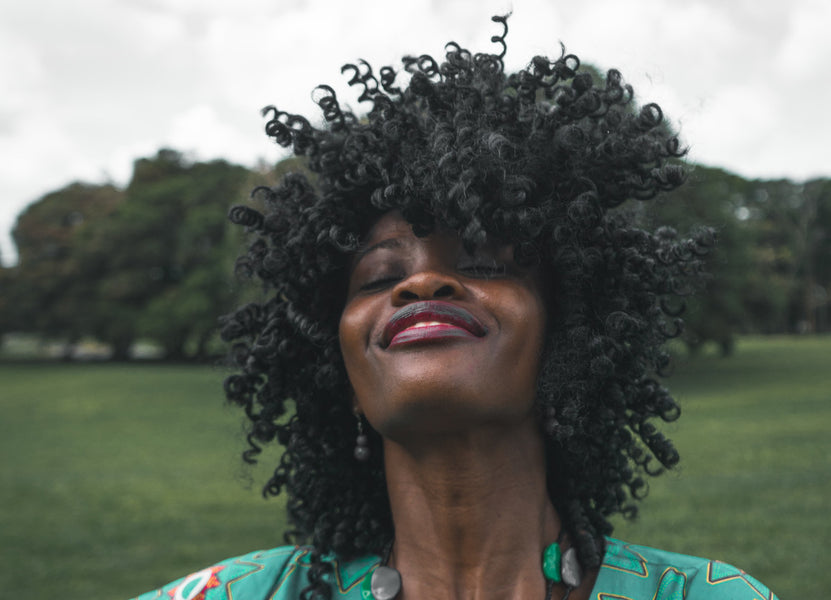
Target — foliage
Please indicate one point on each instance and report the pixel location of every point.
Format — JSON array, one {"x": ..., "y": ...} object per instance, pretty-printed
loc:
[
  {"x": 8, "y": 306},
  {"x": 46, "y": 292},
  {"x": 793, "y": 222},
  {"x": 153, "y": 260},
  {"x": 818, "y": 192},
  {"x": 717, "y": 312},
  {"x": 187, "y": 276},
  {"x": 768, "y": 271}
]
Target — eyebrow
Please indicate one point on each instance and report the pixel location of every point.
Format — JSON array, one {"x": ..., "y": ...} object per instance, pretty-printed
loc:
[{"x": 387, "y": 243}]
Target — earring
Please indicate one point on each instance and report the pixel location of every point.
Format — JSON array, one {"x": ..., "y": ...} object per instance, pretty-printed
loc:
[
  {"x": 551, "y": 424},
  {"x": 361, "y": 442}
]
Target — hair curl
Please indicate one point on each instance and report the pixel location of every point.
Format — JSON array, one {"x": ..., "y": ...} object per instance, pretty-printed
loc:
[{"x": 539, "y": 159}]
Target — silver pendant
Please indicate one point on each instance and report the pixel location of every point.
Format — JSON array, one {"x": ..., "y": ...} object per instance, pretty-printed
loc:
[
  {"x": 386, "y": 583},
  {"x": 570, "y": 569}
]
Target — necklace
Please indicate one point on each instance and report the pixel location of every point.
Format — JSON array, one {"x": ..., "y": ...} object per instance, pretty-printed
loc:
[{"x": 557, "y": 566}]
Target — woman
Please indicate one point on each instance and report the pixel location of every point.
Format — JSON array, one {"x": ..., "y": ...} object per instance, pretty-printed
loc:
[{"x": 465, "y": 327}]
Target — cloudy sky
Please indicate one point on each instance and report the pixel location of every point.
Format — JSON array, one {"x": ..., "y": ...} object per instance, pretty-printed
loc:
[{"x": 87, "y": 86}]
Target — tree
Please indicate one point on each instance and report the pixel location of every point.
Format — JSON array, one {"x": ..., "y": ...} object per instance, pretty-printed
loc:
[
  {"x": 47, "y": 292},
  {"x": 719, "y": 311},
  {"x": 792, "y": 224},
  {"x": 815, "y": 228},
  {"x": 199, "y": 260},
  {"x": 8, "y": 307},
  {"x": 771, "y": 269},
  {"x": 163, "y": 260}
]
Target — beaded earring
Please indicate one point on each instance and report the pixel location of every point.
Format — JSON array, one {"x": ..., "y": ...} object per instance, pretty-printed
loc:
[
  {"x": 550, "y": 423},
  {"x": 361, "y": 442}
]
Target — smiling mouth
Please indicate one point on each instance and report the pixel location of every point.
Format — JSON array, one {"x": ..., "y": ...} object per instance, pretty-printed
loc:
[{"x": 430, "y": 320}]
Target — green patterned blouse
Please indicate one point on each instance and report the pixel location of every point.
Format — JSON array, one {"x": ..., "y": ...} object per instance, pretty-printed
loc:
[{"x": 628, "y": 572}]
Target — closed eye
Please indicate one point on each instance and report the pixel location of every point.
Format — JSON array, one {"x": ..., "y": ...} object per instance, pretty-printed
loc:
[
  {"x": 380, "y": 283},
  {"x": 484, "y": 270}
]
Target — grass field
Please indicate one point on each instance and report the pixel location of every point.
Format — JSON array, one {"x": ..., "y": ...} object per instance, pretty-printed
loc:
[{"x": 118, "y": 478}]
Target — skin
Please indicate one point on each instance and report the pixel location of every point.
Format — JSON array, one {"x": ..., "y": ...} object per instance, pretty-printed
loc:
[{"x": 463, "y": 451}]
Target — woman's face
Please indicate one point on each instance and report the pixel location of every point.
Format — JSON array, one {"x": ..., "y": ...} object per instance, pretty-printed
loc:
[{"x": 434, "y": 338}]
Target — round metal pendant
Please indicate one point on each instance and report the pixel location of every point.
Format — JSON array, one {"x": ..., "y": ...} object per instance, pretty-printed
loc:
[
  {"x": 570, "y": 569},
  {"x": 386, "y": 583}
]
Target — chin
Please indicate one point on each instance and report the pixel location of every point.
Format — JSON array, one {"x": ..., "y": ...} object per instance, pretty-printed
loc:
[{"x": 436, "y": 409}]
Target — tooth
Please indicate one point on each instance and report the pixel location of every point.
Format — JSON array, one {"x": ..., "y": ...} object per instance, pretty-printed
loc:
[{"x": 426, "y": 324}]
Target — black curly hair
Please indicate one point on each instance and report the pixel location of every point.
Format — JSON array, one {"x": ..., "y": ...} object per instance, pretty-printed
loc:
[{"x": 541, "y": 159}]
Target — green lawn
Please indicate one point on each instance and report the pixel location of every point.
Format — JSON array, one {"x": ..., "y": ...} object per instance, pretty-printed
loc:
[
  {"x": 754, "y": 482},
  {"x": 118, "y": 478}
]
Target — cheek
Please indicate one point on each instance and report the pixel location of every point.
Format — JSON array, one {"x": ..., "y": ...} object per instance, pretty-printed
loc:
[
  {"x": 347, "y": 338},
  {"x": 530, "y": 320},
  {"x": 353, "y": 336}
]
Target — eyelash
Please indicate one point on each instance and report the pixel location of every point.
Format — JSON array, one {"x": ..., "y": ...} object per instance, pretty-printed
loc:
[
  {"x": 475, "y": 271},
  {"x": 485, "y": 270},
  {"x": 380, "y": 283}
]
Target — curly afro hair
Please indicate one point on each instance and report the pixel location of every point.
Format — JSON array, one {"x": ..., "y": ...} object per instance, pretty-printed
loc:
[{"x": 541, "y": 159}]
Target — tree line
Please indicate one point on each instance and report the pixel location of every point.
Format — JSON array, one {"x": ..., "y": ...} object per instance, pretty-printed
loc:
[
  {"x": 770, "y": 270},
  {"x": 154, "y": 260},
  {"x": 149, "y": 261}
]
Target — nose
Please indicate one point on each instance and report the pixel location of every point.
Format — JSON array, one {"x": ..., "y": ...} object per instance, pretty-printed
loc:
[{"x": 426, "y": 285}]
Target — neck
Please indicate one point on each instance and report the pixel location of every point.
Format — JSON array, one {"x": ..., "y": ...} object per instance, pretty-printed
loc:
[{"x": 471, "y": 513}]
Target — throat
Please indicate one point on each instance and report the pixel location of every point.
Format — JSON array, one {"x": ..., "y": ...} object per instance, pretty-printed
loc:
[{"x": 471, "y": 515}]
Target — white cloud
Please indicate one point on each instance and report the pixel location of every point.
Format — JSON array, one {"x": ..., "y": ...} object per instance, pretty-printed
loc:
[
  {"x": 201, "y": 132},
  {"x": 732, "y": 125},
  {"x": 806, "y": 51},
  {"x": 91, "y": 85},
  {"x": 21, "y": 75}
]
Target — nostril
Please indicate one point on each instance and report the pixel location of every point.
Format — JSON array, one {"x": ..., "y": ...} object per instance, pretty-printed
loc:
[
  {"x": 443, "y": 292},
  {"x": 425, "y": 285}
]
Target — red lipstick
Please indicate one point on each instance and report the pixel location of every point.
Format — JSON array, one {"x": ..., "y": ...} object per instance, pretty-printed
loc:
[{"x": 430, "y": 320}]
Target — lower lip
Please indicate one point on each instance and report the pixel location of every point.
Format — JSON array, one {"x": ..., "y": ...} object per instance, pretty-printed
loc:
[{"x": 415, "y": 335}]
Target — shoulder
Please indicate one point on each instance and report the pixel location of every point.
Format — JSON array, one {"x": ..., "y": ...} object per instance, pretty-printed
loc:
[
  {"x": 249, "y": 577},
  {"x": 276, "y": 574},
  {"x": 633, "y": 571}
]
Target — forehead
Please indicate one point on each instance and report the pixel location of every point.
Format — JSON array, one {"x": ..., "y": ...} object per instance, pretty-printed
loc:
[
  {"x": 391, "y": 224},
  {"x": 394, "y": 232}
]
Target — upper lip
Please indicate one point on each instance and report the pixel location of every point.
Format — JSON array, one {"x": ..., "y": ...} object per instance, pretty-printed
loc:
[{"x": 431, "y": 310}]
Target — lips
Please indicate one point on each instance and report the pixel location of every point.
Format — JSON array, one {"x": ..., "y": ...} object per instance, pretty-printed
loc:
[{"x": 430, "y": 320}]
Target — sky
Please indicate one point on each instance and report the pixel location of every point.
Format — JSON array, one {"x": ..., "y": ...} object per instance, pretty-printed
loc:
[{"x": 89, "y": 86}]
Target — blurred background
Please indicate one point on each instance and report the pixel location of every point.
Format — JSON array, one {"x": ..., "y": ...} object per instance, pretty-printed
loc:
[{"x": 129, "y": 127}]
